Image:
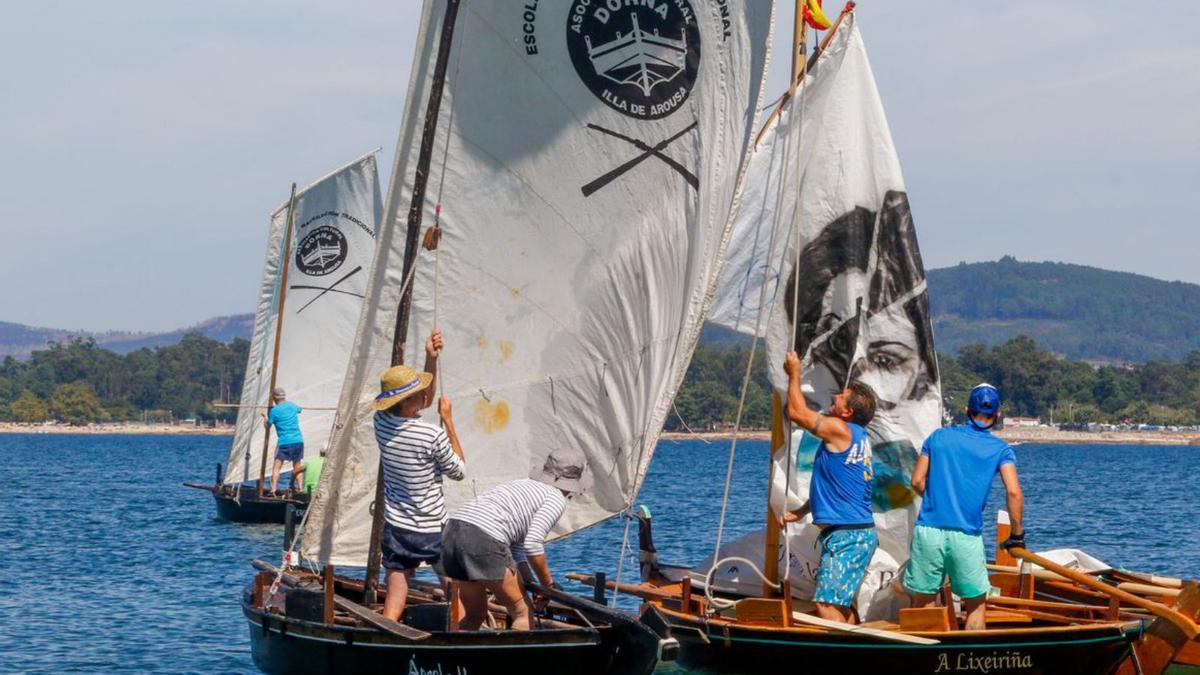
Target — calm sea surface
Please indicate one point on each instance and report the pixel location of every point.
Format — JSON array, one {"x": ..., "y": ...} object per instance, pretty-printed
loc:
[{"x": 107, "y": 564}]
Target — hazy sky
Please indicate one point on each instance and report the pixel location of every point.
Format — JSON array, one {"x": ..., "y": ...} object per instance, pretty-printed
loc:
[{"x": 143, "y": 143}]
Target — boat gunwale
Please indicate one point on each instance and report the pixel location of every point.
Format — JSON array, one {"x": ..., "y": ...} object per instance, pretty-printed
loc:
[
  {"x": 578, "y": 637},
  {"x": 1113, "y": 630}
]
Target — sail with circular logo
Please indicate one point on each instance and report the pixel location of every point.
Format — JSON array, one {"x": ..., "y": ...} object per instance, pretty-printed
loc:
[
  {"x": 333, "y": 246},
  {"x": 587, "y": 158}
]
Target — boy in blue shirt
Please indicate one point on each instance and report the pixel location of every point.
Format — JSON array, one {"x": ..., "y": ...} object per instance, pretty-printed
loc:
[
  {"x": 954, "y": 475},
  {"x": 840, "y": 491},
  {"x": 285, "y": 415}
]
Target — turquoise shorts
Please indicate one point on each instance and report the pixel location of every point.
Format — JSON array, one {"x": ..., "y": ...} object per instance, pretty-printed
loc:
[
  {"x": 938, "y": 553},
  {"x": 845, "y": 555}
]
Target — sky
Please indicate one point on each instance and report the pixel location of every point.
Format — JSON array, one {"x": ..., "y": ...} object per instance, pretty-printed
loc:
[{"x": 143, "y": 143}]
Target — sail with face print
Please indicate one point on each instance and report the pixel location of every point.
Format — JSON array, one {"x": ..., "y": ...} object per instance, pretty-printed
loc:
[
  {"x": 823, "y": 259},
  {"x": 582, "y": 185},
  {"x": 333, "y": 223}
]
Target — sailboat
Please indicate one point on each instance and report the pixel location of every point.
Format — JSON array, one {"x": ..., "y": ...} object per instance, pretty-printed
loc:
[
  {"x": 825, "y": 262},
  {"x": 561, "y": 222},
  {"x": 320, "y": 248}
]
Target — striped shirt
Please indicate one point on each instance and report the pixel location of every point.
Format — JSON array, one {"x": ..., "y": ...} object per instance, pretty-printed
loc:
[
  {"x": 415, "y": 456},
  {"x": 519, "y": 513}
]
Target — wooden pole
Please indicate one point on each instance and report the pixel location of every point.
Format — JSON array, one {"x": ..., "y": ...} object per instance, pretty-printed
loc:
[
  {"x": 415, "y": 211},
  {"x": 771, "y": 552},
  {"x": 799, "y": 34},
  {"x": 808, "y": 66},
  {"x": 1182, "y": 622},
  {"x": 285, "y": 262}
]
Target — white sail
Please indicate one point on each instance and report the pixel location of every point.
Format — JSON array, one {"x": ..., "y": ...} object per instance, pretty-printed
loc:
[
  {"x": 333, "y": 244},
  {"x": 585, "y": 202},
  {"x": 863, "y": 305}
]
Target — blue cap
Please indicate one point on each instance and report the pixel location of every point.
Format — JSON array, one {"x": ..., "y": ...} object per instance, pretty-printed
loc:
[{"x": 984, "y": 399}]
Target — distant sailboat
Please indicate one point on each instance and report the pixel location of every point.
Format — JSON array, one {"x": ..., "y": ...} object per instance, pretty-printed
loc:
[
  {"x": 303, "y": 332},
  {"x": 579, "y": 222}
]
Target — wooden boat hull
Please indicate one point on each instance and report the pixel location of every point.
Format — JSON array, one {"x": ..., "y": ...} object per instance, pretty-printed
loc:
[
  {"x": 250, "y": 508},
  {"x": 286, "y": 645},
  {"x": 728, "y": 647}
]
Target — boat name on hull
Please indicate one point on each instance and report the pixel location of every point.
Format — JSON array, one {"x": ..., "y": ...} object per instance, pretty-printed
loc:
[{"x": 982, "y": 663}]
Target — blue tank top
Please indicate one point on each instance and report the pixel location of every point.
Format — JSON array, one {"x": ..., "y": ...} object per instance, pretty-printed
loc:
[{"x": 840, "y": 491}]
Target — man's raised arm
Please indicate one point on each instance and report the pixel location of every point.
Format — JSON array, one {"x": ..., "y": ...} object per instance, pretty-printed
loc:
[{"x": 829, "y": 429}]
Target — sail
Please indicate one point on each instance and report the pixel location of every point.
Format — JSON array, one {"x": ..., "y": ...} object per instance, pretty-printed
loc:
[
  {"x": 586, "y": 162},
  {"x": 848, "y": 244},
  {"x": 333, "y": 244}
]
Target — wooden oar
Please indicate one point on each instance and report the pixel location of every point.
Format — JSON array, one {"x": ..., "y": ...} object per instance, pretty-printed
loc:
[
  {"x": 1183, "y": 623},
  {"x": 838, "y": 627},
  {"x": 379, "y": 621}
]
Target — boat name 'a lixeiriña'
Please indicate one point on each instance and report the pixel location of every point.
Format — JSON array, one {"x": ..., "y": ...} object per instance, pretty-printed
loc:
[
  {"x": 969, "y": 662},
  {"x": 436, "y": 669}
]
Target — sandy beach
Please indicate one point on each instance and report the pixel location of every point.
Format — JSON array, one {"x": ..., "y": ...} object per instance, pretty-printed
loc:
[{"x": 115, "y": 428}]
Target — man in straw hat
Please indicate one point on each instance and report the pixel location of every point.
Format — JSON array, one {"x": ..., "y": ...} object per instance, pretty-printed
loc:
[
  {"x": 285, "y": 416},
  {"x": 487, "y": 537},
  {"x": 415, "y": 455}
]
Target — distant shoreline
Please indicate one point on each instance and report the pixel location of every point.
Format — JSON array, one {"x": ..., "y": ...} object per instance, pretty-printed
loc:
[
  {"x": 116, "y": 429},
  {"x": 1012, "y": 435},
  {"x": 1047, "y": 435}
]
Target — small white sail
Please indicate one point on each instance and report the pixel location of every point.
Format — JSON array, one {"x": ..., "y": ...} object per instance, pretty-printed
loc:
[
  {"x": 585, "y": 201},
  {"x": 333, "y": 244},
  {"x": 862, "y": 310}
]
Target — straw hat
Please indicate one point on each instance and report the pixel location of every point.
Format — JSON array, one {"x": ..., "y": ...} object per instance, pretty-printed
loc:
[
  {"x": 398, "y": 383},
  {"x": 566, "y": 470}
]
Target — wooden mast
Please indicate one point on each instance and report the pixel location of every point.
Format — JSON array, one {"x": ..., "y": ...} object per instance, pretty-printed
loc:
[
  {"x": 285, "y": 262},
  {"x": 415, "y": 211},
  {"x": 778, "y": 437}
]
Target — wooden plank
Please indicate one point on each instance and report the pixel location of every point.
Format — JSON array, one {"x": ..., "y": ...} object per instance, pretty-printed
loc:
[
  {"x": 925, "y": 619},
  {"x": 636, "y": 590},
  {"x": 769, "y": 611},
  {"x": 885, "y": 635},
  {"x": 1148, "y": 590},
  {"x": 327, "y": 582},
  {"x": 379, "y": 621}
]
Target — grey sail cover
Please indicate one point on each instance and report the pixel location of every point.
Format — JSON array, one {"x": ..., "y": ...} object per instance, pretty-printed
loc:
[{"x": 587, "y": 159}]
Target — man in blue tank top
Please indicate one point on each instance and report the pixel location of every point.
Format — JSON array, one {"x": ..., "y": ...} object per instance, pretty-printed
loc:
[
  {"x": 954, "y": 475},
  {"x": 840, "y": 491}
]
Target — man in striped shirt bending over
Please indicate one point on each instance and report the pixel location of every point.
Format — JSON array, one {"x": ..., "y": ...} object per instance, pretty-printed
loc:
[
  {"x": 487, "y": 537},
  {"x": 415, "y": 455}
]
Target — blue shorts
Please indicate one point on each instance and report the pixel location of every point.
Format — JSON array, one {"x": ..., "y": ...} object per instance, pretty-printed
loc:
[
  {"x": 406, "y": 550},
  {"x": 290, "y": 452},
  {"x": 845, "y": 555}
]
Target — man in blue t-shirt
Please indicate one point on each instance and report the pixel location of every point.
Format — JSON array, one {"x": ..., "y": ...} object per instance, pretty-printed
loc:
[
  {"x": 840, "y": 491},
  {"x": 954, "y": 475},
  {"x": 285, "y": 416}
]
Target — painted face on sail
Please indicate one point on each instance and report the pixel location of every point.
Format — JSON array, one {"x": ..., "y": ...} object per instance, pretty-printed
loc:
[{"x": 892, "y": 363}]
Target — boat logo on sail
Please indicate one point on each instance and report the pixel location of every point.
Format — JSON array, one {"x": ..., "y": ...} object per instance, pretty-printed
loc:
[
  {"x": 640, "y": 57},
  {"x": 321, "y": 251}
]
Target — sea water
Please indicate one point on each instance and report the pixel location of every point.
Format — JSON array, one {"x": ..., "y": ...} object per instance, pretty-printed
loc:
[{"x": 108, "y": 564}]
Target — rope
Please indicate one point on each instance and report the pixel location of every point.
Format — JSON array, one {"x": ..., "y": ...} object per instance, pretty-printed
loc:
[
  {"x": 621, "y": 560},
  {"x": 762, "y": 301},
  {"x": 725, "y": 604},
  {"x": 695, "y": 436},
  {"x": 437, "y": 213}
]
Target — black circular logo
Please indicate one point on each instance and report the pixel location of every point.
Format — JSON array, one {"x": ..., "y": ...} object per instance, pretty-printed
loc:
[
  {"x": 321, "y": 251},
  {"x": 640, "y": 58}
]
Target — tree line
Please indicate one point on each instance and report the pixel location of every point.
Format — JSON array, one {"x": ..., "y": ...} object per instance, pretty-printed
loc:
[
  {"x": 78, "y": 382},
  {"x": 1033, "y": 381}
]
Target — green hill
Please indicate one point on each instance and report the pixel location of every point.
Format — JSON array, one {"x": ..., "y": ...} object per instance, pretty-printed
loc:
[{"x": 1075, "y": 311}]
